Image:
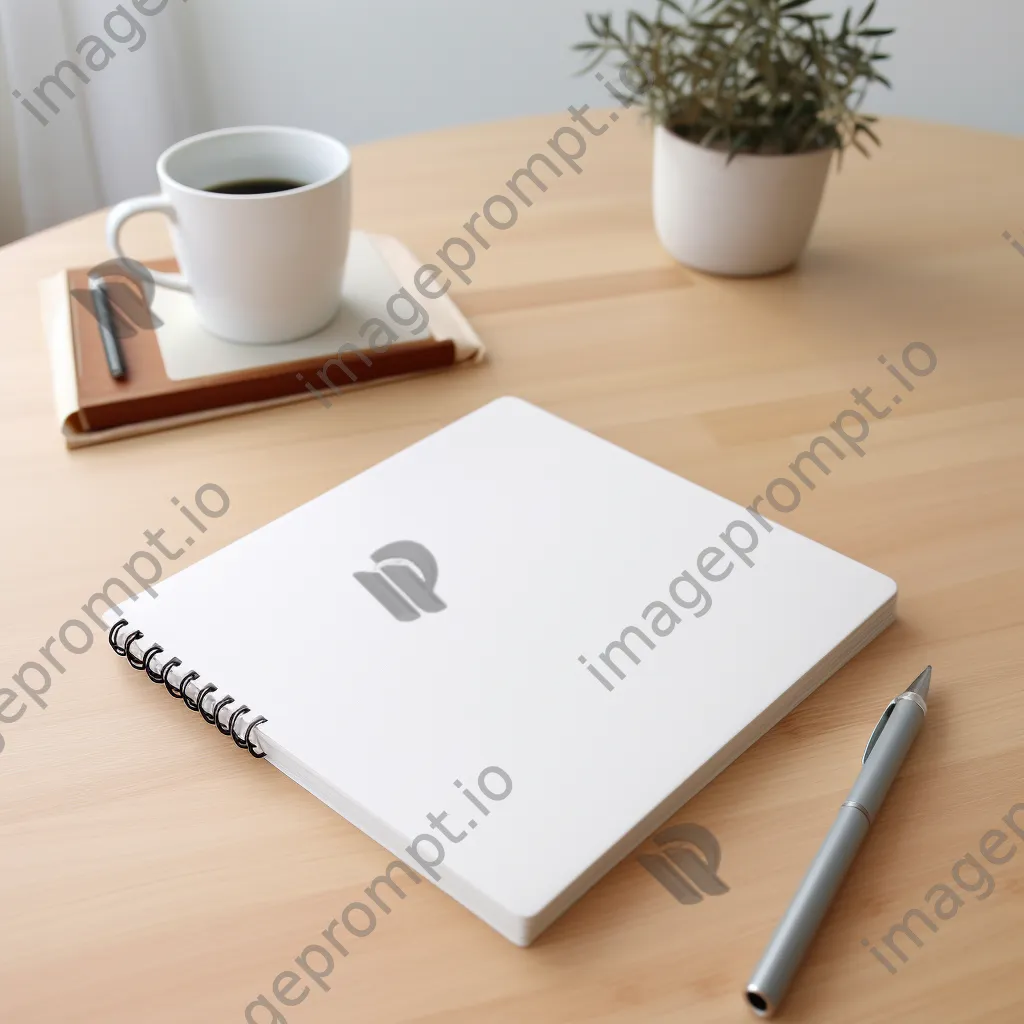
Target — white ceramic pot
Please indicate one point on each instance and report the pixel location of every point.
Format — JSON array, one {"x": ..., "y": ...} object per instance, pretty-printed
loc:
[{"x": 752, "y": 215}]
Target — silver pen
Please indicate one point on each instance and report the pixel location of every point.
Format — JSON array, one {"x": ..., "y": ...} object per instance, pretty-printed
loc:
[{"x": 886, "y": 749}]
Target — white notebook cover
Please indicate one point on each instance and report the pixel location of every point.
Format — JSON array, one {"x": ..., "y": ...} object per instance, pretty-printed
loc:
[{"x": 548, "y": 542}]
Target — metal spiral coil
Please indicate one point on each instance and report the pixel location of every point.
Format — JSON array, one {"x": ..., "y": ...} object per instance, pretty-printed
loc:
[{"x": 245, "y": 741}]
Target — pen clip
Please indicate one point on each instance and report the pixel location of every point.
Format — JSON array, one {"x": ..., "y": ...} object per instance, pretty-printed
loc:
[{"x": 877, "y": 731}]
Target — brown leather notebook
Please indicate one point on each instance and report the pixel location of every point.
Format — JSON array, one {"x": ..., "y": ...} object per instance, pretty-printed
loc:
[{"x": 179, "y": 373}]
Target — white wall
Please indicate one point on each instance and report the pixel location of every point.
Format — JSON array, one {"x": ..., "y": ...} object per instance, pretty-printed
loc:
[
  {"x": 369, "y": 69},
  {"x": 366, "y": 69},
  {"x": 954, "y": 61}
]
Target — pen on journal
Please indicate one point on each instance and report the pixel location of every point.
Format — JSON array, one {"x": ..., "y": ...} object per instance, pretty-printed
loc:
[
  {"x": 886, "y": 749},
  {"x": 108, "y": 333}
]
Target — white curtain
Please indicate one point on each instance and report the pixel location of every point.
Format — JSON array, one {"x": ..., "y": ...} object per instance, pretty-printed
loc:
[{"x": 144, "y": 90}]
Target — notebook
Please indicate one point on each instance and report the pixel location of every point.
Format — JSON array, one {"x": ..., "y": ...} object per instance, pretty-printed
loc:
[
  {"x": 178, "y": 372},
  {"x": 516, "y": 650}
]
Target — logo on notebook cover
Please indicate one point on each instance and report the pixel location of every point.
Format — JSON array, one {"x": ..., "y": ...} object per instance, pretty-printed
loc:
[
  {"x": 688, "y": 865},
  {"x": 405, "y": 580}
]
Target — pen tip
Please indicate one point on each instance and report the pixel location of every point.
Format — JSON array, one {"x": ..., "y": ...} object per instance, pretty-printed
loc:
[{"x": 921, "y": 683}]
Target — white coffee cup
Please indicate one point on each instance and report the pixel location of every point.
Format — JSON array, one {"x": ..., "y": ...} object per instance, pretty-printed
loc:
[{"x": 262, "y": 268}]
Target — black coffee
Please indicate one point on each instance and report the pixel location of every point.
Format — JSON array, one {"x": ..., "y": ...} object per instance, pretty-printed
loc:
[{"x": 256, "y": 186}]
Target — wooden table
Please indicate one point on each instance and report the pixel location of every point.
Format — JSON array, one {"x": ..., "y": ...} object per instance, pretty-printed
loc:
[{"x": 151, "y": 872}]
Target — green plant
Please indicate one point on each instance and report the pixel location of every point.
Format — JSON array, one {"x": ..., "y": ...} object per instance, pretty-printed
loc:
[{"x": 747, "y": 76}]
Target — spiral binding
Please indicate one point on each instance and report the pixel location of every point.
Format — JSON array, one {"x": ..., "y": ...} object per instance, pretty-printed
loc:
[{"x": 220, "y": 715}]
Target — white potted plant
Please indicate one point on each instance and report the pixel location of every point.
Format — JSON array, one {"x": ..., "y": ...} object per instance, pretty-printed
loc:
[{"x": 750, "y": 99}]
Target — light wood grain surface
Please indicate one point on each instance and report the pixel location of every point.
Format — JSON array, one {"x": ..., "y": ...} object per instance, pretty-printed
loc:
[{"x": 150, "y": 871}]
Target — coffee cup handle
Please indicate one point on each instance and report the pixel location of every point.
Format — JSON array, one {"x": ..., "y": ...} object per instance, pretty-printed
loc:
[{"x": 123, "y": 212}]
